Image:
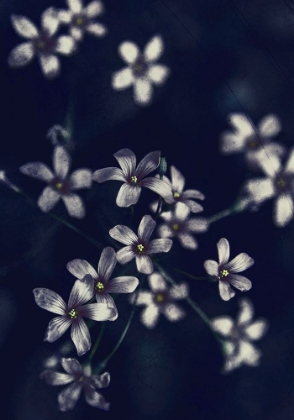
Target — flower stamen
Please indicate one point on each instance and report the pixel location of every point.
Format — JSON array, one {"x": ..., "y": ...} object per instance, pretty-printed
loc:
[
  {"x": 134, "y": 180},
  {"x": 140, "y": 249},
  {"x": 73, "y": 313},
  {"x": 99, "y": 287},
  {"x": 223, "y": 273}
]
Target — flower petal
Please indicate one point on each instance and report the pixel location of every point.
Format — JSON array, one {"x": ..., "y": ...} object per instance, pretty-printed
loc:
[
  {"x": 149, "y": 316},
  {"x": 157, "y": 282},
  {"x": 197, "y": 225},
  {"x": 61, "y": 161},
  {"x": 179, "y": 291},
  {"x": 154, "y": 49},
  {"x": 193, "y": 206},
  {"x": 181, "y": 211},
  {"x": 81, "y": 292},
  {"x": 223, "y": 325},
  {"x": 240, "y": 282},
  {"x": 96, "y": 29},
  {"x": 223, "y": 249},
  {"x": 24, "y": 27},
  {"x": 164, "y": 231},
  {"x": 249, "y": 354},
  {"x": 49, "y": 21},
  {"x": 101, "y": 381},
  {"x": 71, "y": 366},
  {"x": 260, "y": 189},
  {"x": 289, "y": 167},
  {"x": 211, "y": 267},
  {"x": 81, "y": 178},
  {"x": 242, "y": 124},
  {"x": 65, "y": 45},
  {"x": 80, "y": 335},
  {"x": 123, "y": 234},
  {"x": 240, "y": 263},
  {"x": 37, "y": 170},
  {"x": 123, "y": 284},
  {"x": 159, "y": 187},
  {"x": 177, "y": 179},
  {"x": 142, "y": 91},
  {"x": 128, "y": 51},
  {"x": 128, "y": 195},
  {"x": 107, "y": 262},
  {"x": 159, "y": 245},
  {"x": 148, "y": 164},
  {"x": 173, "y": 312},
  {"x": 146, "y": 228},
  {"x": 50, "y": 301},
  {"x": 21, "y": 55},
  {"x": 158, "y": 74},
  {"x": 225, "y": 290},
  {"x": 93, "y": 9},
  {"x": 256, "y": 330},
  {"x": 79, "y": 268},
  {"x": 56, "y": 328},
  {"x": 56, "y": 378},
  {"x": 96, "y": 400},
  {"x": 144, "y": 264},
  {"x": 125, "y": 255},
  {"x": 127, "y": 161},
  {"x": 76, "y": 33},
  {"x": 75, "y": 6},
  {"x": 232, "y": 142},
  {"x": 68, "y": 398},
  {"x": 108, "y": 174},
  {"x": 122, "y": 79},
  {"x": 193, "y": 194},
  {"x": 50, "y": 65},
  {"x": 269, "y": 126},
  {"x": 187, "y": 241},
  {"x": 283, "y": 210},
  {"x": 48, "y": 199},
  {"x": 245, "y": 313},
  {"x": 98, "y": 311},
  {"x": 74, "y": 205},
  {"x": 64, "y": 16}
]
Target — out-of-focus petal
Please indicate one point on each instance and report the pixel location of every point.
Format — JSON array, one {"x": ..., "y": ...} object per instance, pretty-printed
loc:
[
  {"x": 128, "y": 51},
  {"x": 24, "y": 27},
  {"x": 289, "y": 167},
  {"x": 256, "y": 330},
  {"x": 179, "y": 291},
  {"x": 49, "y": 21},
  {"x": 249, "y": 354},
  {"x": 271, "y": 166},
  {"x": 225, "y": 290},
  {"x": 123, "y": 284},
  {"x": 80, "y": 335},
  {"x": 240, "y": 282},
  {"x": 269, "y": 126},
  {"x": 181, "y": 211},
  {"x": 240, "y": 263},
  {"x": 37, "y": 170},
  {"x": 128, "y": 195},
  {"x": 56, "y": 328},
  {"x": 149, "y": 316},
  {"x": 211, "y": 267},
  {"x": 245, "y": 313},
  {"x": 154, "y": 49},
  {"x": 223, "y": 325},
  {"x": 50, "y": 65},
  {"x": 50, "y": 301},
  {"x": 125, "y": 255},
  {"x": 101, "y": 381},
  {"x": 68, "y": 398},
  {"x": 56, "y": 378},
  {"x": 159, "y": 187},
  {"x": 283, "y": 210},
  {"x": 223, "y": 249},
  {"x": 81, "y": 292},
  {"x": 108, "y": 174},
  {"x": 21, "y": 55},
  {"x": 146, "y": 228},
  {"x": 173, "y": 312},
  {"x": 79, "y": 268},
  {"x": 164, "y": 231},
  {"x": 144, "y": 298},
  {"x": 122, "y": 79},
  {"x": 193, "y": 206},
  {"x": 187, "y": 241},
  {"x": 144, "y": 264},
  {"x": 107, "y": 262},
  {"x": 71, "y": 366},
  {"x": 159, "y": 245},
  {"x": 157, "y": 282},
  {"x": 93, "y": 9},
  {"x": 96, "y": 400},
  {"x": 96, "y": 29},
  {"x": 193, "y": 194},
  {"x": 126, "y": 158},
  {"x": 75, "y": 6},
  {"x": 241, "y": 123},
  {"x": 123, "y": 234},
  {"x": 158, "y": 74},
  {"x": 260, "y": 189},
  {"x": 61, "y": 161},
  {"x": 64, "y": 16},
  {"x": 142, "y": 91},
  {"x": 76, "y": 33},
  {"x": 197, "y": 225},
  {"x": 74, "y": 205},
  {"x": 48, "y": 199},
  {"x": 65, "y": 45},
  {"x": 232, "y": 142},
  {"x": 81, "y": 178}
]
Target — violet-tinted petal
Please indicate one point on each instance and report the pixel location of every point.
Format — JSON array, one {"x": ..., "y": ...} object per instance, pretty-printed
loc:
[
  {"x": 80, "y": 336},
  {"x": 65, "y": 45},
  {"x": 128, "y": 51},
  {"x": 193, "y": 194},
  {"x": 154, "y": 49},
  {"x": 283, "y": 210},
  {"x": 269, "y": 126},
  {"x": 21, "y": 55},
  {"x": 128, "y": 195},
  {"x": 193, "y": 206},
  {"x": 146, "y": 227},
  {"x": 245, "y": 313},
  {"x": 50, "y": 65},
  {"x": 93, "y": 9},
  {"x": 156, "y": 282},
  {"x": 37, "y": 170},
  {"x": 149, "y": 316},
  {"x": 123, "y": 284},
  {"x": 71, "y": 366},
  {"x": 96, "y": 400},
  {"x": 144, "y": 264},
  {"x": 49, "y": 21},
  {"x": 96, "y": 29},
  {"x": 177, "y": 179},
  {"x": 187, "y": 241},
  {"x": 240, "y": 282},
  {"x": 223, "y": 249},
  {"x": 56, "y": 328},
  {"x": 97, "y": 311},
  {"x": 109, "y": 174},
  {"x": 127, "y": 161},
  {"x": 123, "y": 234},
  {"x": 240, "y": 263},
  {"x": 148, "y": 164},
  {"x": 125, "y": 254},
  {"x": 223, "y": 325},
  {"x": 225, "y": 290},
  {"x": 159, "y": 187},
  {"x": 79, "y": 268},
  {"x": 173, "y": 312},
  {"x": 24, "y": 27},
  {"x": 211, "y": 267},
  {"x": 74, "y": 205},
  {"x": 144, "y": 298},
  {"x": 107, "y": 263},
  {"x": 56, "y": 378},
  {"x": 101, "y": 381},
  {"x": 68, "y": 398},
  {"x": 179, "y": 291},
  {"x": 159, "y": 245},
  {"x": 50, "y": 301},
  {"x": 256, "y": 330},
  {"x": 105, "y": 298},
  {"x": 48, "y": 199},
  {"x": 61, "y": 161},
  {"x": 142, "y": 91},
  {"x": 122, "y": 79},
  {"x": 81, "y": 292}
]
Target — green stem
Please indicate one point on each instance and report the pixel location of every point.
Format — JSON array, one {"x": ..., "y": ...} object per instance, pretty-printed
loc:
[
  {"x": 220, "y": 215},
  {"x": 188, "y": 274},
  {"x": 97, "y": 341}
]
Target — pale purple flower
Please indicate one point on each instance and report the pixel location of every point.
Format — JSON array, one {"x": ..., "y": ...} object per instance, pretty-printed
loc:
[
  {"x": 179, "y": 225},
  {"x": 160, "y": 300},
  {"x": 225, "y": 271},
  {"x": 278, "y": 183},
  {"x": 255, "y": 142},
  {"x": 80, "y": 378},
  {"x": 139, "y": 247},
  {"x": 133, "y": 177},
  {"x": 41, "y": 43},
  {"x": 177, "y": 185},
  {"x": 141, "y": 70},
  {"x": 82, "y": 19},
  {"x": 101, "y": 284},
  {"x": 72, "y": 314},
  {"x": 239, "y": 334},
  {"x": 60, "y": 184}
]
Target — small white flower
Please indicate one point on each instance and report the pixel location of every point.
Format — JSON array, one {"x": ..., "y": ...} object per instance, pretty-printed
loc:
[
  {"x": 41, "y": 43},
  {"x": 82, "y": 19},
  {"x": 141, "y": 71},
  {"x": 237, "y": 336},
  {"x": 160, "y": 300},
  {"x": 255, "y": 142},
  {"x": 225, "y": 271},
  {"x": 178, "y": 224},
  {"x": 60, "y": 184},
  {"x": 80, "y": 378}
]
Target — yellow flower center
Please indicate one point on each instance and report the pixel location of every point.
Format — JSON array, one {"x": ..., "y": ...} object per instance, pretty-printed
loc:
[
  {"x": 176, "y": 195},
  {"x": 281, "y": 182},
  {"x": 81, "y": 378},
  {"x": 159, "y": 297},
  {"x": 58, "y": 186},
  {"x": 73, "y": 314},
  {"x": 79, "y": 21},
  {"x": 140, "y": 249},
  {"x": 224, "y": 273},
  {"x": 99, "y": 287},
  {"x": 175, "y": 226},
  {"x": 134, "y": 179}
]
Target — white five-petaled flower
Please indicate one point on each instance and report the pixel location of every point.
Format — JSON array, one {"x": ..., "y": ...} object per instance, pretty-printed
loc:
[
  {"x": 255, "y": 142},
  {"x": 279, "y": 183},
  {"x": 141, "y": 71},
  {"x": 72, "y": 314},
  {"x": 80, "y": 378},
  {"x": 177, "y": 185},
  {"x": 41, "y": 43},
  {"x": 134, "y": 177},
  {"x": 60, "y": 184},
  {"x": 81, "y": 19},
  {"x": 178, "y": 224},
  {"x": 237, "y": 336},
  {"x": 139, "y": 247},
  {"x": 102, "y": 286},
  {"x": 160, "y": 299},
  {"x": 225, "y": 271}
]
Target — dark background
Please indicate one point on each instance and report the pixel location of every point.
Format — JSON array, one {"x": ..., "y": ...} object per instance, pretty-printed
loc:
[{"x": 224, "y": 56}]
